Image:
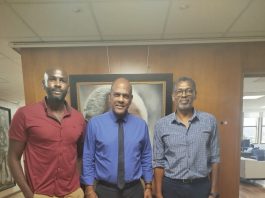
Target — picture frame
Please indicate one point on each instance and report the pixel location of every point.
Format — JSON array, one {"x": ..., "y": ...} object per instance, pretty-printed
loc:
[
  {"x": 6, "y": 179},
  {"x": 151, "y": 94}
]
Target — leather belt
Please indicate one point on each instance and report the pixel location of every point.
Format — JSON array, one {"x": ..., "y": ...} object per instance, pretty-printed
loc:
[
  {"x": 188, "y": 181},
  {"x": 111, "y": 185}
]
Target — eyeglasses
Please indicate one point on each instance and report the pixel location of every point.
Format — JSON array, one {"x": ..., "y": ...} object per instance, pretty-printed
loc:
[{"x": 180, "y": 92}]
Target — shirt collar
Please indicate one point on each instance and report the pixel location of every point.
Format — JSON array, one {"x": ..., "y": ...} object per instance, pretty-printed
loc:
[
  {"x": 114, "y": 117},
  {"x": 176, "y": 121}
]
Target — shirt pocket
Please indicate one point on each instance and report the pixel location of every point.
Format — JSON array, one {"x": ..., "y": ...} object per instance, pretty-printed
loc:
[{"x": 205, "y": 136}]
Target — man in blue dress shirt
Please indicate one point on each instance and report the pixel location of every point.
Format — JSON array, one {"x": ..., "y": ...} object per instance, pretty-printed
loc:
[
  {"x": 101, "y": 150},
  {"x": 186, "y": 148}
]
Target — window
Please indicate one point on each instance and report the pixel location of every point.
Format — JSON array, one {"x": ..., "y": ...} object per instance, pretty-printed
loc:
[
  {"x": 250, "y": 128},
  {"x": 263, "y": 130}
]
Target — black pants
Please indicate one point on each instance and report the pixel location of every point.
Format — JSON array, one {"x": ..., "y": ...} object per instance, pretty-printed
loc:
[
  {"x": 178, "y": 189},
  {"x": 106, "y": 191}
]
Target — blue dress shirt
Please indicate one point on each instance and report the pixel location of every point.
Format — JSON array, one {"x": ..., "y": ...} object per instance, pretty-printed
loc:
[
  {"x": 186, "y": 153},
  {"x": 100, "y": 154}
]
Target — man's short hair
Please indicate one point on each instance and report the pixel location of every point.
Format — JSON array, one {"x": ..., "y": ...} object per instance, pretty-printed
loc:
[{"x": 186, "y": 79}]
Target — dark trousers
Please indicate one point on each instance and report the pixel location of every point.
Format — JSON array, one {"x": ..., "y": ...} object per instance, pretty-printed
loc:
[
  {"x": 178, "y": 189},
  {"x": 106, "y": 191}
]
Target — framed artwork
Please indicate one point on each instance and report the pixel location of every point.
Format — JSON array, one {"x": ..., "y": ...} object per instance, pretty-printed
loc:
[
  {"x": 151, "y": 95},
  {"x": 6, "y": 180}
]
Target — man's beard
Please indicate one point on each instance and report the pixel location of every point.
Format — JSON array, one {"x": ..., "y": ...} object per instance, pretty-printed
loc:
[{"x": 56, "y": 99}]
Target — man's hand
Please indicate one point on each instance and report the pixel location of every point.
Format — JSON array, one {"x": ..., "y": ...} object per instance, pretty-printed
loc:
[
  {"x": 29, "y": 195},
  {"x": 91, "y": 194},
  {"x": 158, "y": 196},
  {"x": 214, "y": 195},
  {"x": 148, "y": 193}
]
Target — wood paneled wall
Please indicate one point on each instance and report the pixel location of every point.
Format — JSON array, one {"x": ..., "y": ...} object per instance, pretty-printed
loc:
[
  {"x": 217, "y": 69},
  {"x": 253, "y": 59}
]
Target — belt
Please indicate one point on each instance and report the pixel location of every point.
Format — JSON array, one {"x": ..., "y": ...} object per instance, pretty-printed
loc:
[
  {"x": 188, "y": 181},
  {"x": 111, "y": 185}
]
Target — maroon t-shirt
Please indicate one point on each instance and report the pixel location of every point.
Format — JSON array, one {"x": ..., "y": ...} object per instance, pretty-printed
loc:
[{"x": 50, "y": 156}]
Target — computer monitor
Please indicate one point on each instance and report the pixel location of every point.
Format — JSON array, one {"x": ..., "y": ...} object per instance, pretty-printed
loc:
[{"x": 245, "y": 144}]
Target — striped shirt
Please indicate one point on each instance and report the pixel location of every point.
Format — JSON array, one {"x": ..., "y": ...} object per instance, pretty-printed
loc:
[{"x": 186, "y": 152}]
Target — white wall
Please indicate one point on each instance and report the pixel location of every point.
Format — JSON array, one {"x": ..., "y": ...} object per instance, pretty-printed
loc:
[{"x": 13, "y": 107}]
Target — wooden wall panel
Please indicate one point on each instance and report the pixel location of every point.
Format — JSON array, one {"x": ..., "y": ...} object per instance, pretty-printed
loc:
[
  {"x": 253, "y": 58},
  {"x": 128, "y": 59},
  {"x": 74, "y": 60},
  {"x": 216, "y": 68}
]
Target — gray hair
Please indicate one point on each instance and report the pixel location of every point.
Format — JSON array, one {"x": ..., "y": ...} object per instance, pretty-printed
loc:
[{"x": 186, "y": 79}]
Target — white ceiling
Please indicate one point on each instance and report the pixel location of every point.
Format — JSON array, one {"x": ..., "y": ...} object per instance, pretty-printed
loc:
[
  {"x": 254, "y": 86},
  {"x": 38, "y": 22}
]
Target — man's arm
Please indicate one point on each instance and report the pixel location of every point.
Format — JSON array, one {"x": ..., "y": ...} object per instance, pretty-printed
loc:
[
  {"x": 158, "y": 178},
  {"x": 146, "y": 161},
  {"x": 15, "y": 152},
  {"x": 214, "y": 178},
  {"x": 158, "y": 161},
  {"x": 88, "y": 168},
  {"x": 146, "y": 158},
  {"x": 215, "y": 150}
]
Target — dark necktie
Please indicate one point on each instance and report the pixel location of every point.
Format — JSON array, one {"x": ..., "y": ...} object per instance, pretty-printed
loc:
[{"x": 121, "y": 171}]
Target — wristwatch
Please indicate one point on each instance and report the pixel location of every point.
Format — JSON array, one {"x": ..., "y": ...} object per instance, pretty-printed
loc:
[
  {"x": 148, "y": 186},
  {"x": 214, "y": 194}
]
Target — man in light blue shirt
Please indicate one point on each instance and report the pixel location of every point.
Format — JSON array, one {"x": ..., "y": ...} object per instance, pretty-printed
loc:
[
  {"x": 186, "y": 148},
  {"x": 101, "y": 150}
]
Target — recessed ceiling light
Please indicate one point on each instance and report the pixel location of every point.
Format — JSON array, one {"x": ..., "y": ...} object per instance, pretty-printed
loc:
[
  {"x": 184, "y": 6},
  {"x": 263, "y": 107},
  {"x": 252, "y": 97},
  {"x": 77, "y": 10}
]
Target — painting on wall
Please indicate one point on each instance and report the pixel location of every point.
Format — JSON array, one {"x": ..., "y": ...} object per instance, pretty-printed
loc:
[
  {"x": 151, "y": 95},
  {"x": 6, "y": 180}
]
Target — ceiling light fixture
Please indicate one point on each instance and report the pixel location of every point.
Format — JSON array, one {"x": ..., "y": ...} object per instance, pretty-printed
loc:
[
  {"x": 184, "y": 6},
  {"x": 77, "y": 10},
  {"x": 252, "y": 97}
]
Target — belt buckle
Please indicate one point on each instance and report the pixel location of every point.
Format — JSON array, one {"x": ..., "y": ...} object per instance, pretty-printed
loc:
[{"x": 186, "y": 181}]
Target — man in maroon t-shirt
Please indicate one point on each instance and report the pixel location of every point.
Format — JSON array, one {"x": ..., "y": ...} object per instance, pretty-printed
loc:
[{"x": 47, "y": 134}]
